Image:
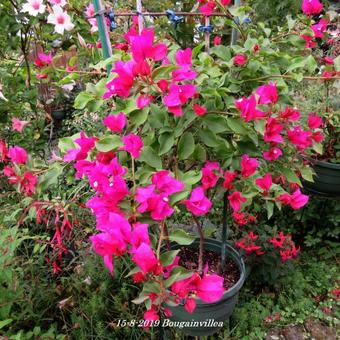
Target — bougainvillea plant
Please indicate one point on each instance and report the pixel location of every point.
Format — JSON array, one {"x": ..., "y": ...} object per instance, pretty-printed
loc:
[{"x": 181, "y": 128}]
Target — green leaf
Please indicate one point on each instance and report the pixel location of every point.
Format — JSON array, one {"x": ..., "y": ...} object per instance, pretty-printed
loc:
[
  {"x": 150, "y": 157},
  {"x": 177, "y": 274},
  {"x": 65, "y": 144},
  {"x": 50, "y": 177},
  {"x": 223, "y": 52},
  {"x": 4, "y": 323},
  {"x": 179, "y": 196},
  {"x": 208, "y": 138},
  {"x": 186, "y": 145},
  {"x": 270, "y": 209},
  {"x": 140, "y": 299},
  {"x": 215, "y": 123},
  {"x": 190, "y": 177},
  {"x": 337, "y": 63},
  {"x": 109, "y": 143},
  {"x": 199, "y": 153},
  {"x": 162, "y": 71},
  {"x": 181, "y": 237},
  {"x": 82, "y": 100},
  {"x": 237, "y": 125},
  {"x": 307, "y": 173},
  {"x": 138, "y": 117},
  {"x": 133, "y": 271},
  {"x": 166, "y": 140},
  {"x": 168, "y": 257},
  {"x": 291, "y": 176}
]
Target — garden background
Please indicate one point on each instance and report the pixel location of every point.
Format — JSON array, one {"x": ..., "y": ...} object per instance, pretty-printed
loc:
[{"x": 53, "y": 284}]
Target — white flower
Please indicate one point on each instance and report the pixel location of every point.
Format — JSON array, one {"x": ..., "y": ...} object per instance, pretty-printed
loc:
[
  {"x": 60, "y": 19},
  {"x": 34, "y": 7},
  {"x": 69, "y": 87},
  {"x": 60, "y": 3}
]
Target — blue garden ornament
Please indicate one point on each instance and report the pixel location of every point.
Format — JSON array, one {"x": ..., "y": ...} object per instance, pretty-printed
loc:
[
  {"x": 175, "y": 19},
  {"x": 111, "y": 16},
  {"x": 206, "y": 29}
]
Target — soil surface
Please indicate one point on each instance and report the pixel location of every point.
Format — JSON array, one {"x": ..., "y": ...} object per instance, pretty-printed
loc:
[{"x": 189, "y": 260}]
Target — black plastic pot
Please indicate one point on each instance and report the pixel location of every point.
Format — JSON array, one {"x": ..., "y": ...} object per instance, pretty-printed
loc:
[
  {"x": 58, "y": 114},
  {"x": 213, "y": 314},
  {"x": 326, "y": 179}
]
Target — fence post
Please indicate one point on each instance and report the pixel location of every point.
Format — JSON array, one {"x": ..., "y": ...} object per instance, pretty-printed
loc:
[
  {"x": 207, "y": 34},
  {"x": 103, "y": 32},
  {"x": 139, "y": 8},
  {"x": 234, "y": 32}
]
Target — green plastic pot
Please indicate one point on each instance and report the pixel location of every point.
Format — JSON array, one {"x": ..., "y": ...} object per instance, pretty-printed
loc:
[
  {"x": 326, "y": 179},
  {"x": 213, "y": 314}
]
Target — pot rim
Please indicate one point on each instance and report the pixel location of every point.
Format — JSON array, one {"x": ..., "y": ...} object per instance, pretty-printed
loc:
[
  {"x": 238, "y": 259},
  {"x": 313, "y": 161}
]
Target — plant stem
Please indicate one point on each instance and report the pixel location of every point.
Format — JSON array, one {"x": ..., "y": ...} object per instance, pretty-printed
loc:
[
  {"x": 161, "y": 237},
  {"x": 200, "y": 255}
]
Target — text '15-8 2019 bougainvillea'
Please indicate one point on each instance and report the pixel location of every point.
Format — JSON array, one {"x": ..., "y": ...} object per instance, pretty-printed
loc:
[{"x": 181, "y": 129}]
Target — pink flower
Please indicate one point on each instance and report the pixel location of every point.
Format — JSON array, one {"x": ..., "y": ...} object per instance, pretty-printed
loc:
[
  {"x": 43, "y": 59},
  {"x": 33, "y": 7},
  {"x": 145, "y": 259},
  {"x": 248, "y": 109},
  {"x": 163, "y": 85},
  {"x": 166, "y": 184},
  {"x": 298, "y": 200},
  {"x": 3, "y": 150},
  {"x": 150, "y": 315},
  {"x": 273, "y": 131},
  {"x": 229, "y": 176},
  {"x": 156, "y": 204},
  {"x": 199, "y": 110},
  {"x": 320, "y": 28},
  {"x": 28, "y": 183},
  {"x": 178, "y": 95},
  {"x": 133, "y": 144},
  {"x": 115, "y": 123},
  {"x": 140, "y": 235},
  {"x": 217, "y": 40},
  {"x": 309, "y": 41},
  {"x": 17, "y": 155},
  {"x": 60, "y": 19},
  {"x": 290, "y": 114},
  {"x": 314, "y": 121},
  {"x": 210, "y": 288},
  {"x": 328, "y": 60},
  {"x": 107, "y": 244},
  {"x": 210, "y": 174},
  {"x": 121, "y": 85},
  {"x": 318, "y": 137},
  {"x": 248, "y": 165},
  {"x": 265, "y": 182},
  {"x": 272, "y": 154},
  {"x": 310, "y": 7},
  {"x": 267, "y": 94},
  {"x": 144, "y": 100},
  {"x": 208, "y": 8},
  {"x": 184, "y": 63},
  {"x": 142, "y": 46},
  {"x": 240, "y": 59},
  {"x": 198, "y": 204},
  {"x": 18, "y": 125},
  {"x": 190, "y": 305},
  {"x": 235, "y": 200},
  {"x": 226, "y": 2},
  {"x": 300, "y": 138}
]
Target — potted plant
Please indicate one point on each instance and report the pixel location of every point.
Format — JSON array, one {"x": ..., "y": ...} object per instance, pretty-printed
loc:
[{"x": 325, "y": 161}]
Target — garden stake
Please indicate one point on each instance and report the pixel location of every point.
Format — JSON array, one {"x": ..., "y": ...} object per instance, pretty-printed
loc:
[
  {"x": 103, "y": 32},
  {"x": 224, "y": 229},
  {"x": 234, "y": 32},
  {"x": 140, "y": 15},
  {"x": 207, "y": 34}
]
